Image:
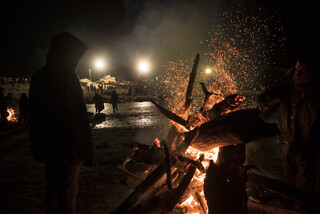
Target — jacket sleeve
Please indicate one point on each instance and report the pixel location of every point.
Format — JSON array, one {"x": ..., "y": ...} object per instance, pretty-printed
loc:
[{"x": 79, "y": 122}]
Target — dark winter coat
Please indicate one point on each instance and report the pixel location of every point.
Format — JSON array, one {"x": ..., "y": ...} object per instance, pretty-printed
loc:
[
  {"x": 114, "y": 97},
  {"x": 59, "y": 125},
  {"x": 299, "y": 112},
  {"x": 98, "y": 101}
]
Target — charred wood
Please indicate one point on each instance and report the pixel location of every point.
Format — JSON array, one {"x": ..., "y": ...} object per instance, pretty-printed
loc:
[
  {"x": 178, "y": 192},
  {"x": 201, "y": 202},
  {"x": 147, "y": 154},
  {"x": 229, "y": 103},
  {"x": 237, "y": 127},
  {"x": 194, "y": 163},
  {"x": 168, "y": 166},
  {"x": 171, "y": 115},
  {"x": 207, "y": 94},
  {"x": 131, "y": 200},
  {"x": 190, "y": 84}
]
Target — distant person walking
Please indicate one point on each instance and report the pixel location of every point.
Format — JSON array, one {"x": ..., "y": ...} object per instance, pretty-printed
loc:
[
  {"x": 114, "y": 101},
  {"x": 23, "y": 108},
  {"x": 3, "y": 108},
  {"x": 60, "y": 133},
  {"x": 98, "y": 102}
]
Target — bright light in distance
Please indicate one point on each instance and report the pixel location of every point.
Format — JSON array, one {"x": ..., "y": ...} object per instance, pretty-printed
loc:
[
  {"x": 208, "y": 70},
  {"x": 99, "y": 64},
  {"x": 143, "y": 66}
]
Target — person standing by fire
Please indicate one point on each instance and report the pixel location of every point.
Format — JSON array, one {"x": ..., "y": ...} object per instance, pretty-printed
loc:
[
  {"x": 114, "y": 101},
  {"x": 60, "y": 133},
  {"x": 298, "y": 97}
]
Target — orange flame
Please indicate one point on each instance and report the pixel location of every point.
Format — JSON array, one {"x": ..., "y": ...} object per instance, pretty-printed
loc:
[
  {"x": 189, "y": 202},
  {"x": 198, "y": 178},
  {"x": 11, "y": 117}
]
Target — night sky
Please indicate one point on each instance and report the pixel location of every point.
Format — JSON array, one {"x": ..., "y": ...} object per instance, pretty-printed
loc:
[{"x": 123, "y": 31}]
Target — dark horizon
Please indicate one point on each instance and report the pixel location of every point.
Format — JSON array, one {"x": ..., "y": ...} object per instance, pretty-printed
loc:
[{"x": 123, "y": 31}]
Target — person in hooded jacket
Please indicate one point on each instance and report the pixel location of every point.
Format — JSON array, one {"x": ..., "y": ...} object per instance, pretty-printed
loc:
[
  {"x": 59, "y": 128},
  {"x": 114, "y": 101},
  {"x": 98, "y": 102},
  {"x": 297, "y": 98}
]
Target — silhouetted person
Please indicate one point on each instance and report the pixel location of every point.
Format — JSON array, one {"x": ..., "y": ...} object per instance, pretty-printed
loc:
[
  {"x": 60, "y": 133},
  {"x": 225, "y": 182},
  {"x": 98, "y": 102},
  {"x": 130, "y": 91},
  {"x": 23, "y": 108},
  {"x": 100, "y": 88},
  {"x": 114, "y": 101},
  {"x": 3, "y": 108},
  {"x": 297, "y": 97}
]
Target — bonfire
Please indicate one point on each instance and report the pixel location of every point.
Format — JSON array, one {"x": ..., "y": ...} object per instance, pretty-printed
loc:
[{"x": 176, "y": 184}]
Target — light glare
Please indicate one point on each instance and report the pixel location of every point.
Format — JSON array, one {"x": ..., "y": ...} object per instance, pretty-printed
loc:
[
  {"x": 99, "y": 64},
  {"x": 143, "y": 66}
]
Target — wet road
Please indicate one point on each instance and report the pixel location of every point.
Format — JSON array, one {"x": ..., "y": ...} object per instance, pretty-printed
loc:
[
  {"x": 150, "y": 123},
  {"x": 131, "y": 114}
]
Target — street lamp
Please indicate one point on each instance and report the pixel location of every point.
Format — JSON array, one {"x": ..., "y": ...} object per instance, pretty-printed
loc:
[
  {"x": 90, "y": 72},
  {"x": 208, "y": 71},
  {"x": 99, "y": 64},
  {"x": 143, "y": 66}
]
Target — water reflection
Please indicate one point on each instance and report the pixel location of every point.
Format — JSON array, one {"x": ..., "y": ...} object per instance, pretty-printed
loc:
[{"x": 131, "y": 114}]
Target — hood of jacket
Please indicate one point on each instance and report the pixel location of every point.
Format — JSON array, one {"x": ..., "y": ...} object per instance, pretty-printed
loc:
[{"x": 65, "y": 52}]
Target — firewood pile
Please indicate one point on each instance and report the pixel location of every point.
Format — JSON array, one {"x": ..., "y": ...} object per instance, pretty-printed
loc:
[{"x": 176, "y": 183}]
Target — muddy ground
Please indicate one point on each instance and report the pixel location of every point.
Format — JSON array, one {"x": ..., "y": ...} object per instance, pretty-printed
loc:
[
  {"x": 101, "y": 188},
  {"x": 104, "y": 187}
]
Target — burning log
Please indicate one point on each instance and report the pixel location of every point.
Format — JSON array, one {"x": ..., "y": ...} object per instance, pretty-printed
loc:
[
  {"x": 167, "y": 200},
  {"x": 202, "y": 203},
  {"x": 178, "y": 192},
  {"x": 237, "y": 127},
  {"x": 230, "y": 102},
  {"x": 168, "y": 166},
  {"x": 150, "y": 180},
  {"x": 215, "y": 132},
  {"x": 171, "y": 115},
  {"x": 207, "y": 95},
  {"x": 147, "y": 154},
  {"x": 194, "y": 163}
]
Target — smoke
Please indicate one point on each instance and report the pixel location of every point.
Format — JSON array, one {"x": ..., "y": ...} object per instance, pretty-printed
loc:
[{"x": 165, "y": 30}]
